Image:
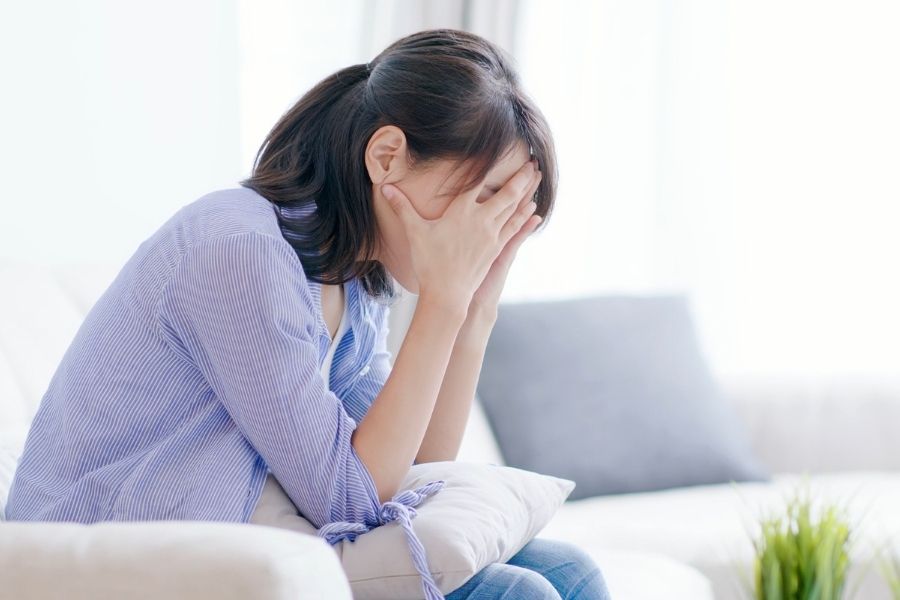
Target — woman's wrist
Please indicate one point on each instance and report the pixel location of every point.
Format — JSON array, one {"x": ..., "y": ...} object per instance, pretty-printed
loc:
[
  {"x": 478, "y": 325},
  {"x": 454, "y": 309},
  {"x": 481, "y": 314}
]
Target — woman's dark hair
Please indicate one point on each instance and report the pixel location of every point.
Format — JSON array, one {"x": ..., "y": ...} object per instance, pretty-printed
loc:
[{"x": 453, "y": 94}]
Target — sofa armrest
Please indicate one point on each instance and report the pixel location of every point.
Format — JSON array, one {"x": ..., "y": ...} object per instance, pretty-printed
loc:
[
  {"x": 820, "y": 425},
  {"x": 166, "y": 559}
]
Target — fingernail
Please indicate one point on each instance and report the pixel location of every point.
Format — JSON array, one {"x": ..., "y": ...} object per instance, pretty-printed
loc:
[{"x": 388, "y": 190}]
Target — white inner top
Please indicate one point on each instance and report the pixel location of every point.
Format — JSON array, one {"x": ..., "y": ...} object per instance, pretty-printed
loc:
[{"x": 342, "y": 328}]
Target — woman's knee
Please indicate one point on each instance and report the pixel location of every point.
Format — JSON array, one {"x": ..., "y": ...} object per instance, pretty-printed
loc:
[
  {"x": 569, "y": 568},
  {"x": 500, "y": 581},
  {"x": 525, "y": 583},
  {"x": 547, "y": 553}
]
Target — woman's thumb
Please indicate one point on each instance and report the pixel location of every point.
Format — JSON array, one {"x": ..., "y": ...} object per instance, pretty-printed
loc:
[{"x": 399, "y": 203}]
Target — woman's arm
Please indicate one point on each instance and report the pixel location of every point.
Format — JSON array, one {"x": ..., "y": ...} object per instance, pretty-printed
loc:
[
  {"x": 444, "y": 435},
  {"x": 391, "y": 432}
]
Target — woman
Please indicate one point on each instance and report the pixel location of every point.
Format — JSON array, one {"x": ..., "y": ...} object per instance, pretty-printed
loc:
[{"x": 245, "y": 341}]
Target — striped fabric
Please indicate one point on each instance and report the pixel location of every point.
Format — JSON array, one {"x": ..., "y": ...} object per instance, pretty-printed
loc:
[
  {"x": 344, "y": 323},
  {"x": 196, "y": 373}
]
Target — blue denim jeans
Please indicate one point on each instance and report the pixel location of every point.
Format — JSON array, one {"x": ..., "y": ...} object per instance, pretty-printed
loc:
[{"x": 542, "y": 570}]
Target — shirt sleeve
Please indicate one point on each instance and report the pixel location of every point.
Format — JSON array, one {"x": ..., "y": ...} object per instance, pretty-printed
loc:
[{"x": 240, "y": 307}]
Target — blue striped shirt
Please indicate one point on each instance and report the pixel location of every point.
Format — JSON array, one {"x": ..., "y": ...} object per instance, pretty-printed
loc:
[{"x": 197, "y": 372}]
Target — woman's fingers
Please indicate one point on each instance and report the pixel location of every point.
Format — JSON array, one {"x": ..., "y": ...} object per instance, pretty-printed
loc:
[
  {"x": 511, "y": 192},
  {"x": 468, "y": 200},
  {"x": 528, "y": 195},
  {"x": 508, "y": 254},
  {"x": 517, "y": 220}
]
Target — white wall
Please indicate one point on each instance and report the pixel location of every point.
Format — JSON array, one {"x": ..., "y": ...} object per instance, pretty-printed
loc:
[
  {"x": 113, "y": 115},
  {"x": 286, "y": 48}
]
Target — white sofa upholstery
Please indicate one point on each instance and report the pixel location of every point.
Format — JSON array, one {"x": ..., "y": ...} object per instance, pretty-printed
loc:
[
  {"x": 678, "y": 544},
  {"x": 165, "y": 559}
]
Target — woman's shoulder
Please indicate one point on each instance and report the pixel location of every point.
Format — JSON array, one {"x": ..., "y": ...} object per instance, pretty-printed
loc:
[
  {"x": 247, "y": 270},
  {"x": 225, "y": 232},
  {"x": 222, "y": 218},
  {"x": 227, "y": 211}
]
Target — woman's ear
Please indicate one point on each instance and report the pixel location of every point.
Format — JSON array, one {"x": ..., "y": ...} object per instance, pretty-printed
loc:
[{"x": 386, "y": 158}]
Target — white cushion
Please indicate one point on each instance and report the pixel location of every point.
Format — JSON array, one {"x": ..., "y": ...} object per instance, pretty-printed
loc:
[
  {"x": 484, "y": 514},
  {"x": 708, "y": 527}
]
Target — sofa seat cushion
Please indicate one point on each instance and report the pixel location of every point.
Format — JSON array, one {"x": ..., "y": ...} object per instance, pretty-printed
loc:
[
  {"x": 626, "y": 574},
  {"x": 708, "y": 527}
]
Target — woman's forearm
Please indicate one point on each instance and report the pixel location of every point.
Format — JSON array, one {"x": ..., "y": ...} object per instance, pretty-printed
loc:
[
  {"x": 443, "y": 437},
  {"x": 389, "y": 436}
]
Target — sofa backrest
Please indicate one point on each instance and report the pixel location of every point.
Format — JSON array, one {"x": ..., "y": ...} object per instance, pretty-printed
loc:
[{"x": 41, "y": 312}]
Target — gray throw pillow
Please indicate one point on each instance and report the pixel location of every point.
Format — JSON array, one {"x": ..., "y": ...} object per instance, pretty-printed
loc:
[{"x": 613, "y": 393}]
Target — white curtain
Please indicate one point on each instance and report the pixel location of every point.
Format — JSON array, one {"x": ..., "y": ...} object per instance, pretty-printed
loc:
[{"x": 743, "y": 153}]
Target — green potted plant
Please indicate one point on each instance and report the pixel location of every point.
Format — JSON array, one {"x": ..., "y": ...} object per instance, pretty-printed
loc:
[
  {"x": 891, "y": 570},
  {"x": 802, "y": 553}
]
